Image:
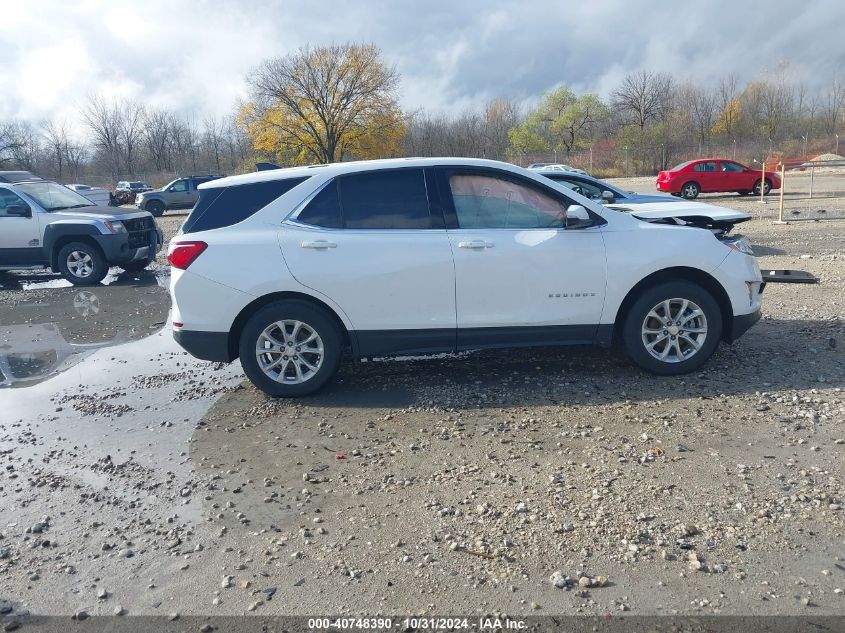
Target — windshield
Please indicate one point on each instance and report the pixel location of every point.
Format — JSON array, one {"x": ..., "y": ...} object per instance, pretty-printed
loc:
[
  {"x": 53, "y": 196},
  {"x": 136, "y": 185}
]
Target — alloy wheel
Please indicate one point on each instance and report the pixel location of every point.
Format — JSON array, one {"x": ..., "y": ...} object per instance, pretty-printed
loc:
[
  {"x": 80, "y": 264},
  {"x": 289, "y": 352},
  {"x": 674, "y": 330}
]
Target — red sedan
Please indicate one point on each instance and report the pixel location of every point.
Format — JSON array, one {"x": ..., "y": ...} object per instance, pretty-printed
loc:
[{"x": 715, "y": 174}]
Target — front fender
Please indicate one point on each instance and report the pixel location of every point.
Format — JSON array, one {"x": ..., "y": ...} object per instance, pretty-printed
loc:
[{"x": 55, "y": 231}]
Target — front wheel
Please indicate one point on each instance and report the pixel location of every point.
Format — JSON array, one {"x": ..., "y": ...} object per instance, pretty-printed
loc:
[
  {"x": 690, "y": 190},
  {"x": 155, "y": 207},
  {"x": 767, "y": 187},
  {"x": 672, "y": 328},
  {"x": 82, "y": 264},
  {"x": 290, "y": 348}
]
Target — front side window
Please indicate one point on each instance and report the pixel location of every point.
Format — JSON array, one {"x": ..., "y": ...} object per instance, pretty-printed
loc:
[
  {"x": 9, "y": 199},
  {"x": 488, "y": 202},
  {"x": 224, "y": 206},
  {"x": 731, "y": 167},
  {"x": 180, "y": 186}
]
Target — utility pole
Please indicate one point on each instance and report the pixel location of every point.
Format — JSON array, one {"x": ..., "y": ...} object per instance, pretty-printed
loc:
[{"x": 734, "y": 149}]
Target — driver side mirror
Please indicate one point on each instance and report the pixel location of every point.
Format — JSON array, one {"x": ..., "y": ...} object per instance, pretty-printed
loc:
[
  {"x": 19, "y": 211},
  {"x": 577, "y": 217},
  {"x": 607, "y": 196}
]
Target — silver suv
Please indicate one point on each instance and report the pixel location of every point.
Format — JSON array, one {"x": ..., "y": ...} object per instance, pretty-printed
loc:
[{"x": 46, "y": 225}]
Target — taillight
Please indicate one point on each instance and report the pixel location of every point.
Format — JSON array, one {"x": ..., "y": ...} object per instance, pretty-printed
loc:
[{"x": 182, "y": 254}]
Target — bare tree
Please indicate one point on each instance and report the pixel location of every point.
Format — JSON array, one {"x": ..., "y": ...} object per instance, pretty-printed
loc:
[
  {"x": 726, "y": 94},
  {"x": 56, "y": 135},
  {"x": 9, "y": 143},
  {"x": 213, "y": 138},
  {"x": 500, "y": 117},
  {"x": 130, "y": 133},
  {"x": 158, "y": 126},
  {"x": 644, "y": 96},
  {"x": 103, "y": 121},
  {"x": 833, "y": 106}
]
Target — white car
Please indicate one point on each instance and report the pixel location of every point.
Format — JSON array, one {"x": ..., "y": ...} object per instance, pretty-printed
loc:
[
  {"x": 557, "y": 167},
  {"x": 288, "y": 268},
  {"x": 97, "y": 195}
]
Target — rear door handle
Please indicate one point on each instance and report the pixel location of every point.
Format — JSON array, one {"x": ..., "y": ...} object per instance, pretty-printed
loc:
[
  {"x": 319, "y": 245},
  {"x": 475, "y": 244}
]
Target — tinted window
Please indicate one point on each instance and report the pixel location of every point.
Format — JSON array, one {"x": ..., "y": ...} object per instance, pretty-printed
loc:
[
  {"x": 394, "y": 199},
  {"x": 731, "y": 167},
  {"x": 225, "y": 206},
  {"x": 324, "y": 209},
  {"x": 709, "y": 166},
  {"x": 8, "y": 199},
  {"x": 488, "y": 202}
]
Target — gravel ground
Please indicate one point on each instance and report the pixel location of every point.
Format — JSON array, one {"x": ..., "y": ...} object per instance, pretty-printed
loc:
[{"x": 141, "y": 481}]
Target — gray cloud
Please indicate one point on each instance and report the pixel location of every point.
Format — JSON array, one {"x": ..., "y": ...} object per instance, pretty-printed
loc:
[{"x": 193, "y": 56}]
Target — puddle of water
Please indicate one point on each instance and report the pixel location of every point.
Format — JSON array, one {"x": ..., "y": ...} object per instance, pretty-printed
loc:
[{"x": 45, "y": 333}]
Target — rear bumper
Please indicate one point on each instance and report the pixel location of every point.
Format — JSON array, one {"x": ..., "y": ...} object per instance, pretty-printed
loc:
[
  {"x": 741, "y": 324},
  {"x": 213, "y": 346}
]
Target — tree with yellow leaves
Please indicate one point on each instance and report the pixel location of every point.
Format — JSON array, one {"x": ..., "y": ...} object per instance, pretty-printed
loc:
[{"x": 325, "y": 104}]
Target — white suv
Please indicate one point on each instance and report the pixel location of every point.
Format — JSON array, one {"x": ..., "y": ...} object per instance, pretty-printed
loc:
[{"x": 288, "y": 268}]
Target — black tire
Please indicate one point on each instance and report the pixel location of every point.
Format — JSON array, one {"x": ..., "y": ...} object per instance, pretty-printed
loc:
[
  {"x": 72, "y": 254},
  {"x": 744, "y": 192},
  {"x": 156, "y": 207},
  {"x": 135, "y": 267},
  {"x": 635, "y": 338},
  {"x": 318, "y": 321},
  {"x": 690, "y": 190},
  {"x": 767, "y": 187}
]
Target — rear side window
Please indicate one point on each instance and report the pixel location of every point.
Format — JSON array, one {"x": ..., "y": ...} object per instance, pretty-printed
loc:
[
  {"x": 225, "y": 206},
  {"x": 324, "y": 209},
  {"x": 708, "y": 166},
  {"x": 394, "y": 199}
]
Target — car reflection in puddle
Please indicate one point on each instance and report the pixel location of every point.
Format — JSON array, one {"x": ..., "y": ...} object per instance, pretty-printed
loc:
[{"x": 47, "y": 328}]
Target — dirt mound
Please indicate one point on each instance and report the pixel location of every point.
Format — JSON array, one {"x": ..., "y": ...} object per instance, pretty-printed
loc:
[{"x": 826, "y": 157}]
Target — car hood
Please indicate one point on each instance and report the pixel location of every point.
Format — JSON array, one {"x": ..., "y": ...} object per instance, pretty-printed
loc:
[
  {"x": 680, "y": 209},
  {"x": 643, "y": 198},
  {"x": 98, "y": 212}
]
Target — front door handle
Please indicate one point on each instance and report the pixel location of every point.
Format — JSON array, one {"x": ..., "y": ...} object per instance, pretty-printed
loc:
[
  {"x": 475, "y": 244},
  {"x": 319, "y": 245}
]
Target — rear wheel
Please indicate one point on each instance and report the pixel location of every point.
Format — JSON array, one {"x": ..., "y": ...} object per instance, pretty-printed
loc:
[
  {"x": 672, "y": 328},
  {"x": 690, "y": 190},
  {"x": 767, "y": 187},
  {"x": 82, "y": 264},
  {"x": 156, "y": 207},
  {"x": 290, "y": 348}
]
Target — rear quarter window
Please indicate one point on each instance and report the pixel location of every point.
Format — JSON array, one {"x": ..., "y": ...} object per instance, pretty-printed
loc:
[{"x": 219, "y": 207}]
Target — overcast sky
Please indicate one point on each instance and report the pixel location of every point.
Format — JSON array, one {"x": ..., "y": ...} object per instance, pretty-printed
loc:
[{"x": 192, "y": 55}]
